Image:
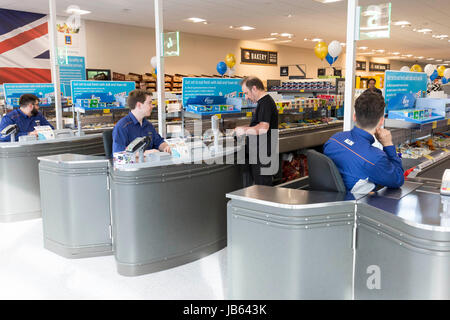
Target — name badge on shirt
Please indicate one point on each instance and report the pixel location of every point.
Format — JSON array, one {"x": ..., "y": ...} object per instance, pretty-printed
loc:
[{"x": 349, "y": 142}]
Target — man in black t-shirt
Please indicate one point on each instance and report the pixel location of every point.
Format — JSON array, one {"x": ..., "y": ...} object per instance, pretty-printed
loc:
[
  {"x": 371, "y": 86},
  {"x": 261, "y": 130}
]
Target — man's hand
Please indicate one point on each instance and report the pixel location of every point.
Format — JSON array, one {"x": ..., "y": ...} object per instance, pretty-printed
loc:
[
  {"x": 167, "y": 149},
  {"x": 33, "y": 133},
  {"x": 240, "y": 131},
  {"x": 384, "y": 136}
]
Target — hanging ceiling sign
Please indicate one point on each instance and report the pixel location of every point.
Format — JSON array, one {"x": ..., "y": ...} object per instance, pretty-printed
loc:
[
  {"x": 261, "y": 57},
  {"x": 171, "y": 44},
  {"x": 374, "y": 22},
  {"x": 361, "y": 65}
]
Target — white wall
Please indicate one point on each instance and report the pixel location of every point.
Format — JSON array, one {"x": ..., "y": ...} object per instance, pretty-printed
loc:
[{"x": 127, "y": 49}]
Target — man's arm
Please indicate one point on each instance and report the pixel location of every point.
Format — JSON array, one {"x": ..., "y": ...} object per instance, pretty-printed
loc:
[
  {"x": 44, "y": 121},
  {"x": 388, "y": 171},
  {"x": 119, "y": 139},
  {"x": 260, "y": 128}
]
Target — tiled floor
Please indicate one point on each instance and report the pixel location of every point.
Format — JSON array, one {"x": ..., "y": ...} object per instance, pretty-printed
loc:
[{"x": 28, "y": 271}]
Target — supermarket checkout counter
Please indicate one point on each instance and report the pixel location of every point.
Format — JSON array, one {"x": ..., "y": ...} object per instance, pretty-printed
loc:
[
  {"x": 152, "y": 215},
  {"x": 19, "y": 190},
  {"x": 295, "y": 244}
]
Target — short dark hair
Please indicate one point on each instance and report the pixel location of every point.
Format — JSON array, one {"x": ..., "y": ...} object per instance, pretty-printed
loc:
[
  {"x": 369, "y": 108},
  {"x": 371, "y": 79},
  {"x": 26, "y": 99},
  {"x": 249, "y": 82},
  {"x": 136, "y": 96}
]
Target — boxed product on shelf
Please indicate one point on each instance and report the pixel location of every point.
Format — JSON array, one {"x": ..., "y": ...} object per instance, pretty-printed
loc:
[
  {"x": 133, "y": 77},
  {"x": 414, "y": 115},
  {"x": 283, "y": 105}
]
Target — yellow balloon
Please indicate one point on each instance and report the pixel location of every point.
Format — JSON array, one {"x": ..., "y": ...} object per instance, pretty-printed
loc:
[
  {"x": 416, "y": 68},
  {"x": 321, "y": 50},
  {"x": 230, "y": 60},
  {"x": 440, "y": 71}
]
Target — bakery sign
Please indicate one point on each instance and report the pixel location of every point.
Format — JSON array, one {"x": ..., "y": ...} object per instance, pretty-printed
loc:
[{"x": 262, "y": 57}]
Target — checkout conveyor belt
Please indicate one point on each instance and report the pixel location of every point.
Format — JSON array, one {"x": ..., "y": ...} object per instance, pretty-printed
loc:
[{"x": 436, "y": 171}]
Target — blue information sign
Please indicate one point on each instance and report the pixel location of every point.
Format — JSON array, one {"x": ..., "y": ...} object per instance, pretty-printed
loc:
[
  {"x": 402, "y": 88},
  {"x": 74, "y": 70},
  {"x": 44, "y": 91},
  {"x": 226, "y": 87},
  {"x": 94, "y": 95}
]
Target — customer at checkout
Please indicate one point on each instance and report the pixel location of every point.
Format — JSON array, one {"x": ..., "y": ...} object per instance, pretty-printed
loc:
[
  {"x": 135, "y": 125},
  {"x": 362, "y": 165},
  {"x": 26, "y": 117}
]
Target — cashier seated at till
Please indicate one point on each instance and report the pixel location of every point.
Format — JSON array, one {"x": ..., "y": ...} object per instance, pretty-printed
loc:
[
  {"x": 362, "y": 165},
  {"x": 26, "y": 117},
  {"x": 135, "y": 125}
]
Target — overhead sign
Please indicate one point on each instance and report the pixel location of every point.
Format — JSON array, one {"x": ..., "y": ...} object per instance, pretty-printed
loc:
[
  {"x": 192, "y": 87},
  {"x": 171, "y": 44},
  {"x": 262, "y": 57},
  {"x": 361, "y": 65},
  {"x": 284, "y": 71},
  {"x": 374, "y": 22},
  {"x": 44, "y": 91},
  {"x": 379, "y": 66},
  {"x": 400, "y": 88},
  {"x": 93, "y": 95}
]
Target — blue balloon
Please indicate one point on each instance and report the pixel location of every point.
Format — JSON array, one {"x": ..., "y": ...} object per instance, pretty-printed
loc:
[
  {"x": 330, "y": 59},
  {"x": 444, "y": 80},
  {"x": 156, "y": 71},
  {"x": 434, "y": 75},
  {"x": 221, "y": 68}
]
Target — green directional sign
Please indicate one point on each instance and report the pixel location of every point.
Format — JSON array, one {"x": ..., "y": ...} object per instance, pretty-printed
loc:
[
  {"x": 374, "y": 22},
  {"x": 171, "y": 44}
]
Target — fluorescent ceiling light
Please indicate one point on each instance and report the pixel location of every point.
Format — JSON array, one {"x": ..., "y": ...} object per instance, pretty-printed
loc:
[
  {"x": 274, "y": 34},
  {"x": 76, "y": 10},
  {"x": 284, "y": 41},
  {"x": 196, "y": 20},
  {"x": 316, "y": 40},
  {"x": 421, "y": 57},
  {"x": 408, "y": 55},
  {"x": 363, "y": 48},
  {"x": 395, "y": 53},
  {"x": 429, "y": 59},
  {"x": 268, "y": 39},
  {"x": 424, "y": 30},
  {"x": 327, "y": 1},
  {"x": 246, "y": 28},
  {"x": 289, "y": 35},
  {"x": 380, "y": 50},
  {"x": 439, "y": 60},
  {"x": 401, "y": 23}
]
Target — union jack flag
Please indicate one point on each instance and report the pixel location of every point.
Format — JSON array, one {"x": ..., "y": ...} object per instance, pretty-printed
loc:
[{"x": 24, "y": 47}]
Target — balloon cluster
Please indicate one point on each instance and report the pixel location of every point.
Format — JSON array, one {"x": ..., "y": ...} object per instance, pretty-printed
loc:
[
  {"x": 329, "y": 52},
  {"x": 431, "y": 71},
  {"x": 227, "y": 66},
  {"x": 153, "y": 63}
]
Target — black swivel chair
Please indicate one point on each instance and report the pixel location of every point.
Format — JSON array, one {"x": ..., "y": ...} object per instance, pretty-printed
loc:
[
  {"x": 323, "y": 173},
  {"x": 108, "y": 143}
]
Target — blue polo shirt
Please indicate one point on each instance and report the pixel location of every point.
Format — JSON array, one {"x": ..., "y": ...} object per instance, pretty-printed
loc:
[
  {"x": 25, "y": 123},
  {"x": 128, "y": 129},
  {"x": 357, "y": 159}
]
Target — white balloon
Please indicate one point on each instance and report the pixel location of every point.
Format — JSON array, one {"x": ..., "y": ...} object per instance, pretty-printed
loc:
[
  {"x": 154, "y": 61},
  {"x": 334, "y": 48},
  {"x": 447, "y": 73},
  {"x": 231, "y": 71},
  {"x": 405, "y": 69},
  {"x": 429, "y": 69}
]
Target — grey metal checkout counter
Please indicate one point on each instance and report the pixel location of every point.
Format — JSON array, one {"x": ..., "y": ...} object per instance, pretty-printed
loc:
[
  {"x": 19, "y": 187},
  {"x": 153, "y": 215},
  {"x": 297, "y": 244}
]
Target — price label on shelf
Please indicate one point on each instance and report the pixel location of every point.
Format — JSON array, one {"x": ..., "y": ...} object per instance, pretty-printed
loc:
[
  {"x": 248, "y": 114},
  {"x": 445, "y": 150},
  {"x": 448, "y": 121},
  {"x": 281, "y": 110},
  {"x": 329, "y": 108},
  {"x": 106, "y": 111},
  {"x": 302, "y": 90},
  {"x": 315, "y": 108},
  {"x": 337, "y": 107},
  {"x": 300, "y": 110},
  {"x": 434, "y": 125},
  {"x": 218, "y": 116},
  {"x": 428, "y": 157}
]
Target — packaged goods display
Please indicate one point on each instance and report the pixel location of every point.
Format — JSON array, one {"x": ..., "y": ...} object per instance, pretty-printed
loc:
[
  {"x": 423, "y": 147},
  {"x": 310, "y": 86}
]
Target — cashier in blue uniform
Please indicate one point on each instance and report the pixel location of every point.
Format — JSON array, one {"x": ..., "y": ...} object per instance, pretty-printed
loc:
[
  {"x": 362, "y": 165},
  {"x": 135, "y": 125},
  {"x": 26, "y": 117}
]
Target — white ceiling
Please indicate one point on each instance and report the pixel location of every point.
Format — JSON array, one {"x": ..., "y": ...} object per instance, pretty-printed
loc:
[{"x": 310, "y": 19}]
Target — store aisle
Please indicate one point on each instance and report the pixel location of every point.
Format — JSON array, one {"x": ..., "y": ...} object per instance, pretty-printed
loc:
[{"x": 28, "y": 271}]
